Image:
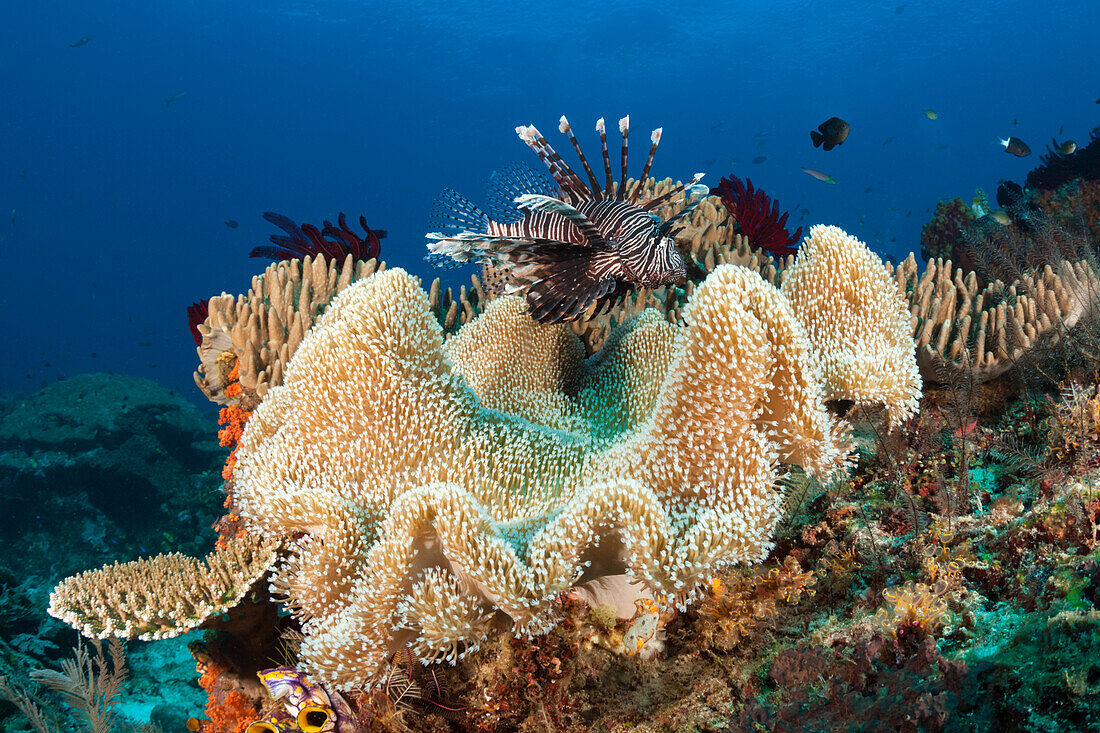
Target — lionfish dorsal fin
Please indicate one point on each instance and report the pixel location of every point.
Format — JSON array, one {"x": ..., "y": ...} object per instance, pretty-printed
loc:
[
  {"x": 654, "y": 141},
  {"x": 665, "y": 197},
  {"x": 547, "y": 204},
  {"x": 563, "y": 126},
  {"x": 602, "y": 129},
  {"x": 570, "y": 182},
  {"x": 624, "y": 130}
]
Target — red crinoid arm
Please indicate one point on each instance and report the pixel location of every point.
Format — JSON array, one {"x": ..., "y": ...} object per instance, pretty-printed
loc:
[
  {"x": 757, "y": 216},
  {"x": 330, "y": 242},
  {"x": 196, "y": 314}
]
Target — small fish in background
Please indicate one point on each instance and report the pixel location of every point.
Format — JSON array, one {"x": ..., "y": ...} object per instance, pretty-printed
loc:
[
  {"x": 23, "y": 174},
  {"x": 232, "y": 223},
  {"x": 81, "y": 42},
  {"x": 1001, "y": 217},
  {"x": 900, "y": 9},
  {"x": 941, "y": 147},
  {"x": 909, "y": 213},
  {"x": 1069, "y": 147},
  {"x": 887, "y": 141},
  {"x": 819, "y": 176},
  {"x": 1015, "y": 122},
  {"x": 868, "y": 190},
  {"x": 175, "y": 98},
  {"x": 715, "y": 127},
  {"x": 759, "y": 159},
  {"x": 830, "y": 133},
  {"x": 719, "y": 129},
  {"x": 735, "y": 160},
  {"x": 709, "y": 161},
  {"x": 1061, "y": 129},
  {"x": 1015, "y": 146},
  {"x": 762, "y": 133},
  {"x": 930, "y": 114},
  {"x": 13, "y": 216},
  {"x": 763, "y": 141}
]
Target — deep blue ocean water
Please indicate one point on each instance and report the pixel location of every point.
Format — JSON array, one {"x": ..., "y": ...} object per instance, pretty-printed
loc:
[{"x": 121, "y": 158}]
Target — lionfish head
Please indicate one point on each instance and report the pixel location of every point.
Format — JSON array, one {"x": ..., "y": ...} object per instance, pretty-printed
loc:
[{"x": 665, "y": 266}]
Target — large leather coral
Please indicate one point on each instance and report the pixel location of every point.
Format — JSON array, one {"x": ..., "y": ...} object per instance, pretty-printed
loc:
[{"x": 424, "y": 505}]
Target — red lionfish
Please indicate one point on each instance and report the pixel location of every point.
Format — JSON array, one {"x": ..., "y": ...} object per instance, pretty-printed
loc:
[{"x": 566, "y": 246}]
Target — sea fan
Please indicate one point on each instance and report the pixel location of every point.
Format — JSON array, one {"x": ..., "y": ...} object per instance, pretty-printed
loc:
[
  {"x": 331, "y": 242},
  {"x": 196, "y": 314},
  {"x": 757, "y": 216}
]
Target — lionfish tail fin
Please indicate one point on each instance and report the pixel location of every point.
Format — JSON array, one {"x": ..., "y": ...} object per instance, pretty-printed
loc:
[
  {"x": 654, "y": 141},
  {"x": 463, "y": 248},
  {"x": 511, "y": 181},
  {"x": 570, "y": 183},
  {"x": 561, "y": 282},
  {"x": 443, "y": 261},
  {"x": 453, "y": 212}
]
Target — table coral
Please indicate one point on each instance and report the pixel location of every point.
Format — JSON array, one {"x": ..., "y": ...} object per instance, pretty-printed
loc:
[
  {"x": 426, "y": 512},
  {"x": 163, "y": 596}
]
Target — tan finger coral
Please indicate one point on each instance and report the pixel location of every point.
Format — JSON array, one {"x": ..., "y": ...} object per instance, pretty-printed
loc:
[
  {"x": 163, "y": 596},
  {"x": 856, "y": 318},
  {"x": 432, "y": 498},
  {"x": 961, "y": 327},
  {"x": 248, "y": 339}
]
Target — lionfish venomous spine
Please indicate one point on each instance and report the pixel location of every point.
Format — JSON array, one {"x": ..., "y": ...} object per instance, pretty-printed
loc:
[{"x": 569, "y": 247}]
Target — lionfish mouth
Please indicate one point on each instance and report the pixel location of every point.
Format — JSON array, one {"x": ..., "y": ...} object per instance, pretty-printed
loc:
[{"x": 571, "y": 248}]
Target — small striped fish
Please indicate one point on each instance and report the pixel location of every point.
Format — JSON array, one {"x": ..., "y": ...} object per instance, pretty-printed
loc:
[{"x": 568, "y": 247}]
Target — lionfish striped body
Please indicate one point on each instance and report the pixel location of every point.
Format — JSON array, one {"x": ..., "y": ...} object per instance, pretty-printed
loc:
[{"x": 567, "y": 246}]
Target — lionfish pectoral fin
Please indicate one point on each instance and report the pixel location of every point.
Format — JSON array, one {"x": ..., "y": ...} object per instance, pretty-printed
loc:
[
  {"x": 562, "y": 281},
  {"x": 548, "y": 204},
  {"x": 466, "y": 247}
]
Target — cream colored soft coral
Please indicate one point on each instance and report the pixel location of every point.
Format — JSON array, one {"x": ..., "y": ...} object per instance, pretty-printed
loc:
[
  {"x": 857, "y": 320},
  {"x": 425, "y": 510}
]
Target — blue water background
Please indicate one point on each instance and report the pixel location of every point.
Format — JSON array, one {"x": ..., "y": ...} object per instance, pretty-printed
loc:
[{"x": 112, "y": 199}]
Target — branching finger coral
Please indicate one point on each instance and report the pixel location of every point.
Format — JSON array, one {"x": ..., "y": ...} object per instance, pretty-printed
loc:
[
  {"x": 245, "y": 341},
  {"x": 961, "y": 327}
]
